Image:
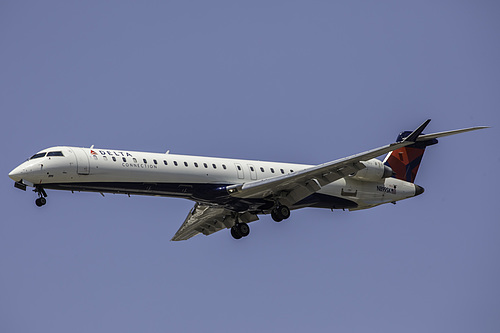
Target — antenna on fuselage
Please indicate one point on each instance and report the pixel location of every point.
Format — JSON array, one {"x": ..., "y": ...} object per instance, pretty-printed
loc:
[{"x": 167, "y": 152}]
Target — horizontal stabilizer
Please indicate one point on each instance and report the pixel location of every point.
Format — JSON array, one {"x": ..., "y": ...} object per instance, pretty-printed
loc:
[{"x": 425, "y": 137}]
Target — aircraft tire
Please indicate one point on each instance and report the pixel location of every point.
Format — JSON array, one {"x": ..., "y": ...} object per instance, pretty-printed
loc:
[
  {"x": 243, "y": 229},
  {"x": 275, "y": 217},
  {"x": 283, "y": 212},
  {"x": 235, "y": 232},
  {"x": 40, "y": 201}
]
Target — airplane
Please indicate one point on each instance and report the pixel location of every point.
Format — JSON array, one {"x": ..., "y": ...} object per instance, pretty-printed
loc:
[{"x": 230, "y": 193}]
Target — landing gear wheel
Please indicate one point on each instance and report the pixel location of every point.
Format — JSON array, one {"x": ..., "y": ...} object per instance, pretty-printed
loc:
[
  {"x": 240, "y": 230},
  {"x": 275, "y": 217},
  {"x": 280, "y": 213},
  {"x": 283, "y": 212},
  {"x": 40, "y": 201},
  {"x": 235, "y": 232},
  {"x": 244, "y": 229}
]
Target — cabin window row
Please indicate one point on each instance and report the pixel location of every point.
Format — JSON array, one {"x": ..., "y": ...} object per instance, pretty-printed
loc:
[
  {"x": 263, "y": 170},
  {"x": 186, "y": 164},
  {"x": 145, "y": 161}
]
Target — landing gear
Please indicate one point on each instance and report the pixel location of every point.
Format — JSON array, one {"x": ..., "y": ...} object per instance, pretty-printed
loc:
[
  {"x": 240, "y": 230},
  {"x": 41, "y": 201},
  {"x": 275, "y": 217},
  {"x": 280, "y": 213}
]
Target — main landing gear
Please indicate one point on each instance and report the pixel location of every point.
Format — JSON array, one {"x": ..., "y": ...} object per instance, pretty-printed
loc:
[
  {"x": 41, "y": 201},
  {"x": 280, "y": 213},
  {"x": 240, "y": 230}
]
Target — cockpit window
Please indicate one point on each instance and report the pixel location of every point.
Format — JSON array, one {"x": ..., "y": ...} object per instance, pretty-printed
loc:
[
  {"x": 37, "y": 156},
  {"x": 55, "y": 153}
]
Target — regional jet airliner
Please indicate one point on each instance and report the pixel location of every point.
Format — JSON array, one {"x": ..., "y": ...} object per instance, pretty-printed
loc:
[{"x": 230, "y": 193}]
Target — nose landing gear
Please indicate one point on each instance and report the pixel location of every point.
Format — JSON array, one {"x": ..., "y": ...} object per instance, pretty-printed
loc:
[{"x": 41, "y": 201}]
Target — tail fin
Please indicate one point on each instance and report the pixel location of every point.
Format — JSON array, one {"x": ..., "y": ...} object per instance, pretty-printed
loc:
[{"x": 405, "y": 161}]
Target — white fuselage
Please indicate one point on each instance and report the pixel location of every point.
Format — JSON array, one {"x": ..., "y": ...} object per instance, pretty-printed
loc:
[
  {"x": 201, "y": 179},
  {"x": 230, "y": 193}
]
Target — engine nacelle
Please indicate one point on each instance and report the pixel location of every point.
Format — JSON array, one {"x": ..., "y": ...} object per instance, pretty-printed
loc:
[{"x": 375, "y": 170}]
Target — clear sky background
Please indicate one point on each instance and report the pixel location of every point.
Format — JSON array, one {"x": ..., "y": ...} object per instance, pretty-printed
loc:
[{"x": 293, "y": 81}]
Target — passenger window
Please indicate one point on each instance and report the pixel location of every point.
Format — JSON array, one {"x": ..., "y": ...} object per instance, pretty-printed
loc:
[
  {"x": 282, "y": 171},
  {"x": 105, "y": 158},
  {"x": 205, "y": 165},
  {"x": 155, "y": 161},
  {"x": 215, "y": 167},
  {"x": 95, "y": 157},
  {"x": 165, "y": 162},
  {"x": 224, "y": 166},
  {"x": 124, "y": 159},
  {"x": 252, "y": 169},
  {"x": 145, "y": 160},
  {"x": 291, "y": 170},
  {"x": 114, "y": 158},
  {"x": 261, "y": 169},
  {"x": 239, "y": 168},
  {"x": 272, "y": 170},
  {"x": 186, "y": 163},
  {"x": 175, "y": 163},
  {"x": 135, "y": 160},
  {"x": 195, "y": 164}
]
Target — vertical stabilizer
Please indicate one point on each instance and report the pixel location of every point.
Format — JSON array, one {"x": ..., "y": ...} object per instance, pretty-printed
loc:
[{"x": 405, "y": 161}]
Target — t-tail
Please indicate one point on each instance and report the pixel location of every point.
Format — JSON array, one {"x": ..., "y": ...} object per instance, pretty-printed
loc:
[{"x": 405, "y": 161}]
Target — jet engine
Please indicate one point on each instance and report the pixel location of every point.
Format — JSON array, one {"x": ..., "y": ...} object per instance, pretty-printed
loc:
[{"x": 375, "y": 170}]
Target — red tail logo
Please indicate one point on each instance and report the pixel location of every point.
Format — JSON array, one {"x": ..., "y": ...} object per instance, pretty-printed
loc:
[{"x": 405, "y": 161}]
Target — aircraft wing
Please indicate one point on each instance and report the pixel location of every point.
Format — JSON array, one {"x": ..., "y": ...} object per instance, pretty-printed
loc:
[
  {"x": 291, "y": 188},
  {"x": 209, "y": 219},
  {"x": 300, "y": 184},
  {"x": 296, "y": 186}
]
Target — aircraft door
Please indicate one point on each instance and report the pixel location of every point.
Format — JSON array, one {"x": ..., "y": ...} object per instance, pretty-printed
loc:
[
  {"x": 82, "y": 161},
  {"x": 253, "y": 173},
  {"x": 239, "y": 170}
]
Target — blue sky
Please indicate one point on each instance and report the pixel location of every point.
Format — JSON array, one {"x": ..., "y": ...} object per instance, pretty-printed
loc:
[{"x": 293, "y": 81}]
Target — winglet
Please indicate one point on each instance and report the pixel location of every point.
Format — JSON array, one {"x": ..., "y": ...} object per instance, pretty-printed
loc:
[{"x": 414, "y": 135}]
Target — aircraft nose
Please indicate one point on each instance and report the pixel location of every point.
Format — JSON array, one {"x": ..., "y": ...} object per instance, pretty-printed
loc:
[{"x": 15, "y": 174}]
